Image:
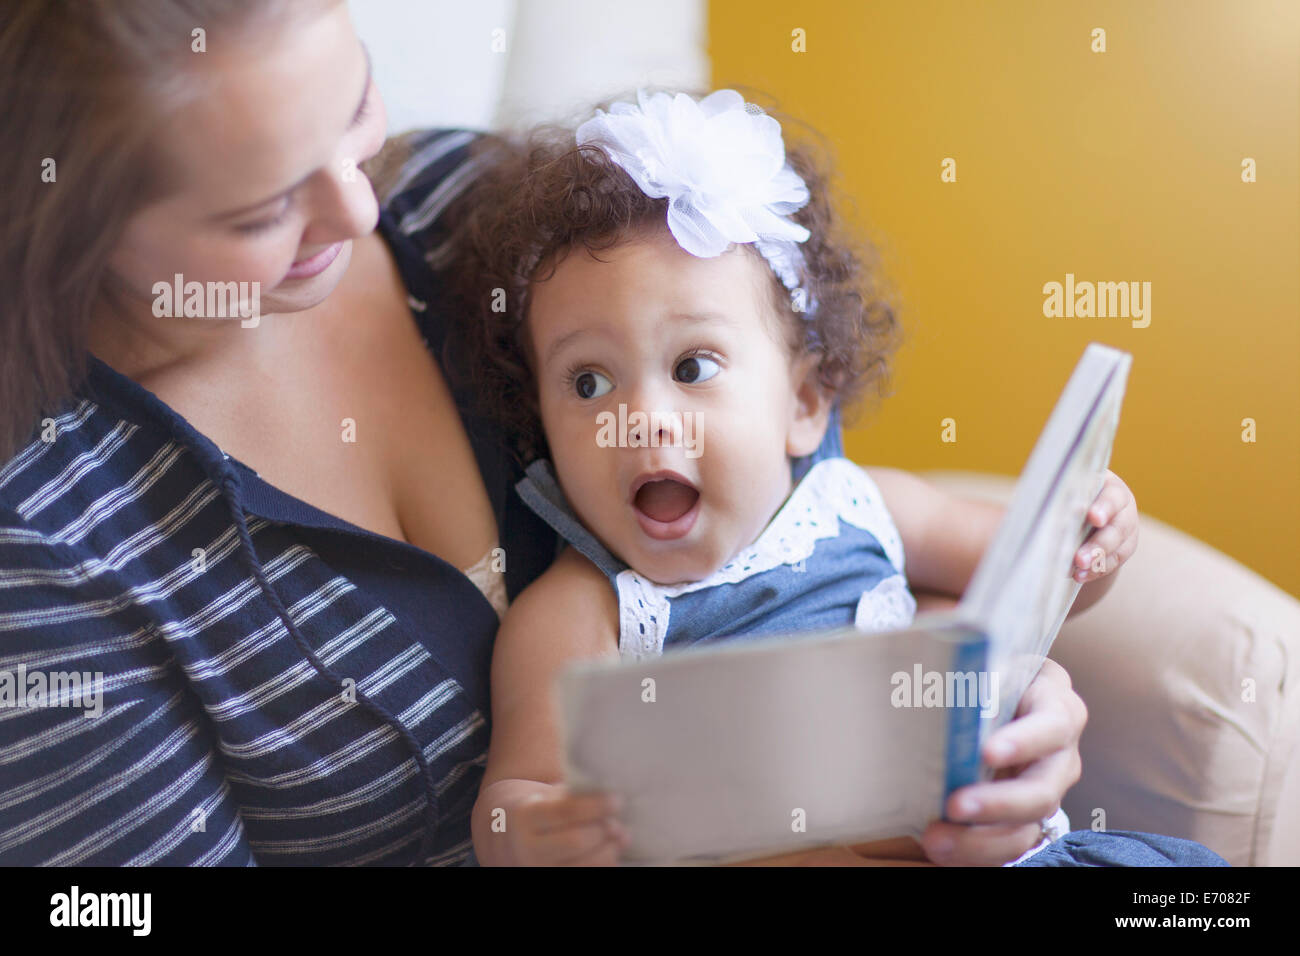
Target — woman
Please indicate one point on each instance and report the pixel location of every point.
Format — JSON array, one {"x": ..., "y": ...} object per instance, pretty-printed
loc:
[{"x": 273, "y": 541}]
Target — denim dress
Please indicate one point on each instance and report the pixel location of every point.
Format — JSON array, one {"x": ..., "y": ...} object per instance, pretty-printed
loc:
[{"x": 831, "y": 557}]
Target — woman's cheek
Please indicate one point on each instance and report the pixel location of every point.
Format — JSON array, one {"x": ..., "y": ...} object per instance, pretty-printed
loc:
[{"x": 263, "y": 258}]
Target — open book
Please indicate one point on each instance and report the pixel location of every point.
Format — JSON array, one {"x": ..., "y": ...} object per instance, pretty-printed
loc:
[{"x": 772, "y": 745}]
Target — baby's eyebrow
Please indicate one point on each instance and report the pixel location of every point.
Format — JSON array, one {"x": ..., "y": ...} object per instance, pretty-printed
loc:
[
  {"x": 691, "y": 318},
  {"x": 561, "y": 343},
  {"x": 716, "y": 318}
]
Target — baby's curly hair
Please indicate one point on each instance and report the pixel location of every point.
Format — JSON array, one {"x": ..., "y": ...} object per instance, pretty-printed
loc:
[{"x": 539, "y": 196}]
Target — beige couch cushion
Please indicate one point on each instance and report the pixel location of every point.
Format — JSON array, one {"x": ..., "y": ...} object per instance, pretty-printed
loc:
[{"x": 1190, "y": 667}]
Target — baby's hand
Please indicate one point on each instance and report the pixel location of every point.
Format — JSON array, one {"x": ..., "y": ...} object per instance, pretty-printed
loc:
[
  {"x": 559, "y": 828},
  {"x": 1115, "y": 516}
]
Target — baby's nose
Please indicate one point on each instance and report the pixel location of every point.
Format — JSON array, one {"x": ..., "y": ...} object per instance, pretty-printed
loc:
[
  {"x": 667, "y": 427},
  {"x": 652, "y": 422}
]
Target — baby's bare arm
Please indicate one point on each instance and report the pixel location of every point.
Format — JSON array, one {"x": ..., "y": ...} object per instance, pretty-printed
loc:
[
  {"x": 944, "y": 536},
  {"x": 567, "y": 614}
]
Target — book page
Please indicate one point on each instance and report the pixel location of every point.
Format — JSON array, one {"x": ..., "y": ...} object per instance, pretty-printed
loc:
[
  {"x": 1032, "y": 592},
  {"x": 762, "y": 747}
]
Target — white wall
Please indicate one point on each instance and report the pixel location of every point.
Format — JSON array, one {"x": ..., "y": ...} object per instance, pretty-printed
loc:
[
  {"x": 569, "y": 54},
  {"x": 436, "y": 65},
  {"x": 432, "y": 58}
]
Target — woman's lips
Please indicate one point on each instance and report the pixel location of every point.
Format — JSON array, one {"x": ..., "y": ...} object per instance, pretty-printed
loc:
[{"x": 314, "y": 265}]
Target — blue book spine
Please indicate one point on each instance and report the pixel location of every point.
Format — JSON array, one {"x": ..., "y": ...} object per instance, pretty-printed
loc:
[{"x": 963, "y": 756}]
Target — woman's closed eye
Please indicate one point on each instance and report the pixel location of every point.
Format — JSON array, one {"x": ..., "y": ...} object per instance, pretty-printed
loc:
[
  {"x": 363, "y": 112},
  {"x": 267, "y": 224}
]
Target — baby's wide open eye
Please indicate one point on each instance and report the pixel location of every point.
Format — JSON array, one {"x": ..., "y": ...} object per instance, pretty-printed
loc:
[
  {"x": 591, "y": 384},
  {"x": 696, "y": 368}
]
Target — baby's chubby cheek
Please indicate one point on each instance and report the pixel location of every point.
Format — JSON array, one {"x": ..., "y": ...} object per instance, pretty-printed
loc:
[
  {"x": 749, "y": 516},
  {"x": 735, "y": 508}
]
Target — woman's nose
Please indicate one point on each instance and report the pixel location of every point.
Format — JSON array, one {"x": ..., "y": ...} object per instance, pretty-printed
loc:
[{"x": 344, "y": 204}]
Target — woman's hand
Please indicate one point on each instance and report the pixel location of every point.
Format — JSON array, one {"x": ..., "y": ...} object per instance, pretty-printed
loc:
[{"x": 1036, "y": 759}]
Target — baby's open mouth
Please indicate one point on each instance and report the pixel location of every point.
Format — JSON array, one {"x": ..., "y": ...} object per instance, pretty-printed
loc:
[
  {"x": 666, "y": 499},
  {"x": 665, "y": 506}
]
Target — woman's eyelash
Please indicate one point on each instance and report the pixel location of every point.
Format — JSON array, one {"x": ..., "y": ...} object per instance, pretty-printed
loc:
[
  {"x": 363, "y": 111},
  {"x": 264, "y": 225}
]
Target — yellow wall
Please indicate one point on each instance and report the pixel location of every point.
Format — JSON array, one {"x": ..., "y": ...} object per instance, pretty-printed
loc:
[{"x": 1115, "y": 166}]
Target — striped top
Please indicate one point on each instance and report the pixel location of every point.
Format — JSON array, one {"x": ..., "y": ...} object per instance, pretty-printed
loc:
[{"x": 198, "y": 669}]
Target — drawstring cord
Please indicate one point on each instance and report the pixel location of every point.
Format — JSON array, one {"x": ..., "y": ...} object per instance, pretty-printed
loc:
[{"x": 229, "y": 484}]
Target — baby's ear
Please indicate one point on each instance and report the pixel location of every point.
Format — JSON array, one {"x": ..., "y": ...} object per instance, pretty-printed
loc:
[{"x": 811, "y": 409}]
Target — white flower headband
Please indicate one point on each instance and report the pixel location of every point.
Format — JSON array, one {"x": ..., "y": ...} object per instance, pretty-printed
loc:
[{"x": 721, "y": 164}]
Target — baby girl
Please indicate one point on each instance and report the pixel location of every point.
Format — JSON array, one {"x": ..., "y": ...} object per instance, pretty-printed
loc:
[{"x": 673, "y": 319}]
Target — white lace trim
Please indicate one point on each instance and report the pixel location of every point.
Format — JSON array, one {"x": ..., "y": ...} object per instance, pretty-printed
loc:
[
  {"x": 1056, "y": 826},
  {"x": 833, "y": 489},
  {"x": 889, "y": 604},
  {"x": 490, "y": 581}
]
